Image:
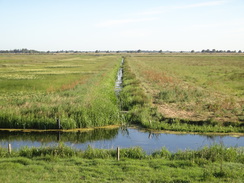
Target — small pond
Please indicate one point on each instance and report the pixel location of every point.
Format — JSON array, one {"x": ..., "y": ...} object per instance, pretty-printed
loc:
[{"x": 121, "y": 137}]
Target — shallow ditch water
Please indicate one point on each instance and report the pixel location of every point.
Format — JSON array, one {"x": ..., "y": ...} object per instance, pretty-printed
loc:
[
  {"x": 118, "y": 83},
  {"x": 119, "y": 137}
]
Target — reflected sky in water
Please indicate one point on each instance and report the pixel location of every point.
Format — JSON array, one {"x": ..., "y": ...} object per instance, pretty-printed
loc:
[{"x": 110, "y": 139}]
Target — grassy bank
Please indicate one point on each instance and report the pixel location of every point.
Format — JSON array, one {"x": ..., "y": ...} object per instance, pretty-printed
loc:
[
  {"x": 62, "y": 164},
  {"x": 36, "y": 90},
  {"x": 157, "y": 95}
]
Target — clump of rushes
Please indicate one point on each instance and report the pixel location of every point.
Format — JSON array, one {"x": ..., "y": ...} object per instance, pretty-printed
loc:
[
  {"x": 134, "y": 100},
  {"x": 60, "y": 151}
]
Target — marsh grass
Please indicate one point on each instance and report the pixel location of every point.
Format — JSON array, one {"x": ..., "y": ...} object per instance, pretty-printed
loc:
[
  {"x": 77, "y": 89},
  {"x": 173, "y": 124},
  {"x": 134, "y": 100},
  {"x": 214, "y": 153},
  {"x": 56, "y": 151}
]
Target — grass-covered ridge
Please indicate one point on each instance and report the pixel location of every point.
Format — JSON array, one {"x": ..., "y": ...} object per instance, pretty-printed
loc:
[
  {"x": 157, "y": 94},
  {"x": 77, "y": 89},
  {"x": 63, "y": 164}
]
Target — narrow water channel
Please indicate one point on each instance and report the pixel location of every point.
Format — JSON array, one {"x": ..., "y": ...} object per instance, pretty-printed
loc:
[
  {"x": 118, "y": 83},
  {"x": 121, "y": 137}
]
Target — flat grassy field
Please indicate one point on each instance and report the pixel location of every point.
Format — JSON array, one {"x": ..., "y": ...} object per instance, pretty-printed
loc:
[
  {"x": 36, "y": 90},
  {"x": 63, "y": 164},
  {"x": 201, "y": 88},
  {"x": 180, "y": 92}
]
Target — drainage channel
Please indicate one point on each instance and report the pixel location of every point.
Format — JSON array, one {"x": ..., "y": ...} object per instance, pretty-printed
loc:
[{"x": 118, "y": 83}]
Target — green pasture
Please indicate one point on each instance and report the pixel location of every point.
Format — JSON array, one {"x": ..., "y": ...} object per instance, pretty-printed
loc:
[
  {"x": 47, "y": 73},
  {"x": 64, "y": 164},
  {"x": 78, "y": 89}
]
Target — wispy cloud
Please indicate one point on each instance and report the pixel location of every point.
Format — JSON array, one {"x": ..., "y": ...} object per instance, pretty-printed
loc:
[
  {"x": 123, "y": 21},
  {"x": 148, "y": 14},
  {"x": 197, "y": 5},
  {"x": 163, "y": 9}
]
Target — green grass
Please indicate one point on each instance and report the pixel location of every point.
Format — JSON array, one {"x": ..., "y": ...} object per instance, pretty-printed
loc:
[
  {"x": 134, "y": 100},
  {"x": 157, "y": 95},
  {"x": 38, "y": 89},
  {"x": 63, "y": 164}
]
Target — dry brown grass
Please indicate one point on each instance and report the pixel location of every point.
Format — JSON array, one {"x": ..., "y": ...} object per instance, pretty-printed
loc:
[
  {"x": 160, "y": 78},
  {"x": 195, "y": 85}
]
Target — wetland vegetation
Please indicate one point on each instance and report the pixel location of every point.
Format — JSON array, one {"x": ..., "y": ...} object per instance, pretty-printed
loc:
[
  {"x": 36, "y": 90},
  {"x": 178, "y": 92}
]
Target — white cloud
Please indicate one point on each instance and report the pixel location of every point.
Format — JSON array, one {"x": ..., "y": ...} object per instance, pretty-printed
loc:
[
  {"x": 163, "y": 9},
  {"x": 123, "y": 21},
  {"x": 197, "y": 5}
]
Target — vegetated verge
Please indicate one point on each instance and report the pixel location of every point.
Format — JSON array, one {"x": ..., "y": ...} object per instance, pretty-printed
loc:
[
  {"x": 61, "y": 163},
  {"x": 141, "y": 110},
  {"x": 78, "y": 90}
]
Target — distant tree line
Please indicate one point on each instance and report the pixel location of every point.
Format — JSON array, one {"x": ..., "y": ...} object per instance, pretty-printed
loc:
[
  {"x": 220, "y": 51},
  {"x": 24, "y": 50}
]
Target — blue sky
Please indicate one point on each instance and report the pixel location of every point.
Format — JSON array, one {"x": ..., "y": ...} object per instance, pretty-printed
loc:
[{"x": 122, "y": 25}]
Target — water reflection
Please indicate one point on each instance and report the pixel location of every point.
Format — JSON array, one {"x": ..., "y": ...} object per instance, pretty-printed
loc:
[
  {"x": 122, "y": 137},
  {"x": 74, "y": 137}
]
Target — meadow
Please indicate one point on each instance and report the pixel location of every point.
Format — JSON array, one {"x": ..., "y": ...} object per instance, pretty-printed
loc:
[
  {"x": 37, "y": 90},
  {"x": 185, "y": 92},
  {"x": 64, "y": 164},
  {"x": 177, "y": 92}
]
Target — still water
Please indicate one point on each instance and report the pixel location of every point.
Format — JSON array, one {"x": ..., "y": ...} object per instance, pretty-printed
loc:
[{"x": 121, "y": 137}]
